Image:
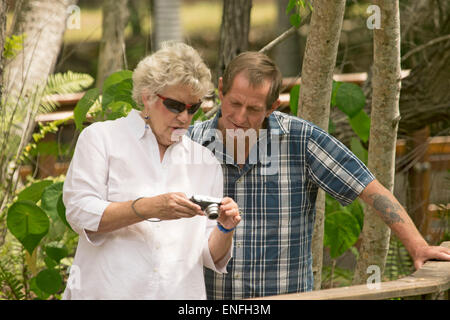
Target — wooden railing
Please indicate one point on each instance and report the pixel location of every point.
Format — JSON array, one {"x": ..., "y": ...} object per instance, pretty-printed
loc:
[{"x": 431, "y": 281}]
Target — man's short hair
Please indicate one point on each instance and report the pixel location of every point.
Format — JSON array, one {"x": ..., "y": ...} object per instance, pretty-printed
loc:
[{"x": 258, "y": 68}]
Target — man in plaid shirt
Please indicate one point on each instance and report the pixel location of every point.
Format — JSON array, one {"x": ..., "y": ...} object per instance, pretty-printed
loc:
[{"x": 273, "y": 165}]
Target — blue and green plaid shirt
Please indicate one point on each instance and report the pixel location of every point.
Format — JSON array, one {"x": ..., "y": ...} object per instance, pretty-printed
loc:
[{"x": 276, "y": 192}]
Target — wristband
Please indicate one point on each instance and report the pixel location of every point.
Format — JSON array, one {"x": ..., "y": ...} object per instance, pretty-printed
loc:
[{"x": 223, "y": 229}]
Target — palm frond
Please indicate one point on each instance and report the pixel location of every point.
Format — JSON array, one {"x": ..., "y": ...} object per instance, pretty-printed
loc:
[
  {"x": 62, "y": 83},
  {"x": 8, "y": 281}
]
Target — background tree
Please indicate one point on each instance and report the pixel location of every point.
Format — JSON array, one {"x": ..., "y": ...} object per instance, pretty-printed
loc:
[
  {"x": 112, "y": 45},
  {"x": 234, "y": 31},
  {"x": 166, "y": 22},
  {"x": 3, "y": 10},
  {"x": 385, "y": 116},
  {"x": 43, "y": 22},
  {"x": 315, "y": 93},
  {"x": 288, "y": 54}
]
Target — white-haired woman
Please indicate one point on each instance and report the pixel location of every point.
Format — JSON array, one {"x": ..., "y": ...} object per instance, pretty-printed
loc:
[{"x": 128, "y": 187}]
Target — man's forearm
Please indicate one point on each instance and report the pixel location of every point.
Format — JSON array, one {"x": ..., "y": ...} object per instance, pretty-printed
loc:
[
  {"x": 219, "y": 244},
  {"x": 394, "y": 215}
]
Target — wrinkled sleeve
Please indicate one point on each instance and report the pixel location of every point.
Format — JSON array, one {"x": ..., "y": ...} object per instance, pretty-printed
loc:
[
  {"x": 334, "y": 168},
  {"x": 85, "y": 187},
  {"x": 217, "y": 191}
]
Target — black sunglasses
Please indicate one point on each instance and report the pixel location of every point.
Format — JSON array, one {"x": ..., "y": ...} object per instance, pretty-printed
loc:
[{"x": 178, "y": 107}]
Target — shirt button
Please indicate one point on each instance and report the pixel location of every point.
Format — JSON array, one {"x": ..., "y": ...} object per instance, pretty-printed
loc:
[
  {"x": 237, "y": 276},
  {"x": 238, "y": 244}
]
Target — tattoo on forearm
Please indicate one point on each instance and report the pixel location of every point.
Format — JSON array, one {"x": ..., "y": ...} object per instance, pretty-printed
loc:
[{"x": 387, "y": 208}]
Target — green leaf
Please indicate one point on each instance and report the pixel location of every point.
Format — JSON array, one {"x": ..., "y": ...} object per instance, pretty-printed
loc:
[
  {"x": 50, "y": 198},
  {"x": 198, "y": 116},
  {"x": 334, "y": 90},
  {"x": 360, "y": 123},
  {"x": 83, "y": 106},
  {"x": 117, "y": 110},
  {"x": 341, "y": 232},
  {"x": 293, "y": 99},
  {"x": 34, "y": 287},
  {"x": 56, "y": 251},
  {"x": 290, "y": 6},
  {"x": 295, "y": 20},
  {"x": 356, "y": 209},
  {"x": 358, "y": 149},
  {"x": 116, "y": 78},
  {"x": 28, "y": 223},
  {"x": 350, "y": 99},
  {"x": 67, "y": 82},
  {"x": 61, "y": 209},
  {"x": 50, "y": 263},
  {"x": 49, "y": 281},
  {"x": 118, "y": 87},
  {"x": 34, "y": 191}
]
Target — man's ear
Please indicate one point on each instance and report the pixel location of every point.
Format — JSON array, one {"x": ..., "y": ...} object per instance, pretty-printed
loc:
[
  {"x": 274, "y": 107},
  {"x": 220, "y": 88}
]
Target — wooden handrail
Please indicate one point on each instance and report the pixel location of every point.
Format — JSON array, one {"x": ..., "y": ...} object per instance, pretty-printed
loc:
[{"x": 432, "y": 278}]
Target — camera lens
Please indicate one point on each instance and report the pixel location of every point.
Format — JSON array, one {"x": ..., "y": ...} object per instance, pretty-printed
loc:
[{"x": 212, "y": 211}]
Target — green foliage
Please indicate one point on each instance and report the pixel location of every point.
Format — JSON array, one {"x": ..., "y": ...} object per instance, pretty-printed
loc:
[
  {"x": 35, "y": 218},
  {"x": 342, "y": 225},
  {"x": 28, "y": 223},
  {"x": 13, "y": 45},
  {"x": 61, "y": 83},
  {"x": 296, "y": 6},
  {"x": 398, "y": 261},
  {"x": 117, "y": 100},
  {"x": 350, "y": 99},
  {"x": 294, "y": 96},
  {"x": 11, "y": 281}
]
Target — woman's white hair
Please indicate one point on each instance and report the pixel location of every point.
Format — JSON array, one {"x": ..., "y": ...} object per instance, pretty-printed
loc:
[{"x": 175, "y": 63}]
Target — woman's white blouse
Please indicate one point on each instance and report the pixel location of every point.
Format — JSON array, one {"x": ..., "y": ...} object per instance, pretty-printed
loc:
[{"x": 119, "y": 161}]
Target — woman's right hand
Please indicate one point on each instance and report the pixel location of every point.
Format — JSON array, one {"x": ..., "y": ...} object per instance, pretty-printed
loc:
[{"x": 176, "y": 205}]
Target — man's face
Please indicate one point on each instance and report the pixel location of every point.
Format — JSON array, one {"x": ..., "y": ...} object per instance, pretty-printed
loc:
[{"x": 243, "y": 106}]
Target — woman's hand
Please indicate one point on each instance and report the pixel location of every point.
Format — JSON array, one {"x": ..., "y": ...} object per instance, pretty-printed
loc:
[
  {"x": 176, "y": 205},
  {"x": 229, "y": 216}
]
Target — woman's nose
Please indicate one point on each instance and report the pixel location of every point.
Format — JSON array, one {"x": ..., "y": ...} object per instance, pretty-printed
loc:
[{"x": 183, "y": 116}]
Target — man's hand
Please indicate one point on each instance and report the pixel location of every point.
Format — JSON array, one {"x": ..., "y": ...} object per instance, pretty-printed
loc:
[
  {"x": 229, "y": 216},
  {"x": 425, "y": 253}
]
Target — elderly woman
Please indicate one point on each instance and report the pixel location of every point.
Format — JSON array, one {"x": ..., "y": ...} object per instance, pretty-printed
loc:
[{"x": 128, "y": 187}]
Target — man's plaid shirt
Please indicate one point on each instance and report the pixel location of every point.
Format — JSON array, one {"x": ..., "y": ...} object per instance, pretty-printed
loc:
[{"x": 276, "y": 192}]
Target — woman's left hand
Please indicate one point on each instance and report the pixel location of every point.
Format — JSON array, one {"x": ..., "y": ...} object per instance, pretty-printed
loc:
[{"x": 229, "y": 216}]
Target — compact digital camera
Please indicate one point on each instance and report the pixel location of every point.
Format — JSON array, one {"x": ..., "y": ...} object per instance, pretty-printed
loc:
[{"x": 209, "y": 205}]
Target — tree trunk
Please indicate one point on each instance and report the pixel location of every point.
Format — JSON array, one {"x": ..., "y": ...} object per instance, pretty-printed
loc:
[
  {"x": 112, "y": 45},
  {"x": 166, "y": 22},
  {"x": 3, "y": 11},
  {"x": 383, "y": 133},
  {"x": 288, "y": 54},
  {"x": 234, "y": 32},
  {"x": 315, "y": 94},
  {"x": 44, "y": 23}
]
